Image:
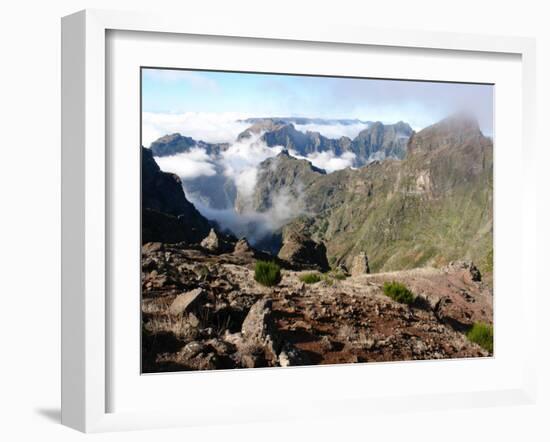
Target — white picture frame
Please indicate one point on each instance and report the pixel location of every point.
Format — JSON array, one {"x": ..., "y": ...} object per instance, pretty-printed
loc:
[{"x": 85, "y": 198}]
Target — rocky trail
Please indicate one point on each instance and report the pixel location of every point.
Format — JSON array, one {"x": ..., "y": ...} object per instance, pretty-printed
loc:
[{"x": 202, "y": 309}]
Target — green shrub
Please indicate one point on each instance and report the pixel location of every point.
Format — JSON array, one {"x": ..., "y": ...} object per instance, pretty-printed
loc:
[
  {"x": 340, "y": 276},
  {"x": 482, "y": 334},
  {"x": 267, "y": 273},
  {"x": 398, "y": 292},
  {"x": 328, "y": 279},
  {"x": 310, "y": 278}
]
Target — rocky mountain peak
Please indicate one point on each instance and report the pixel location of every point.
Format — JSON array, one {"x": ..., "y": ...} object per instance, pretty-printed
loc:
[
  {"x": 285, "y": 163},
  {"x": 452, "y": 132},
  {"x": 380, "y": 141},
  {"x": 171, "y": 144},
  {"x": 176, "y": 143},
  {"x": 262, "y": 125}
]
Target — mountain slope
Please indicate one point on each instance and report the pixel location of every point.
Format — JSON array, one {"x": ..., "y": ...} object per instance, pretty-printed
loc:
[
  {"x": 280, "y": 174},
  {"x": 433, "y": 207},
  {"x": 167, "y": 215}
]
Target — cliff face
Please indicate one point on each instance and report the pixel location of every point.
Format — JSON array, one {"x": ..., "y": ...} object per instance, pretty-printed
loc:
[
  {"x": 381, "y": 141},
  {"x": 280, "y": 174},
  {"x": 433, "y": 207},
  {"x": 378, "y": 141},
  {"x": 176, "y": 143},
  {"x": 217, "y": 191},
  {"x": 167, "y": 215}
]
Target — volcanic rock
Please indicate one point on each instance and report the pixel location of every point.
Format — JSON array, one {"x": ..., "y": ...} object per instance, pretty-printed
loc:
[
  {"x": 187, "y": 301},
  {"x": 259, "y": 328},
  {"x": 467, "y": 267},
  {"x": 304, "y": 253},
  {"x": 229, "y": 322},
  {"x": 360, "y": 265},
  {"x": 167, "y": 215},
  {"x": 242, "y": 247}
]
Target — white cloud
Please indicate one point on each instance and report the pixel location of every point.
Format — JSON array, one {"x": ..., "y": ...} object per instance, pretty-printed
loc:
[
  {"x": 240, "y": 162},
  {"x": 188, "y": 165},
  {"x": 256, "y": 225},
  {"x": 212, "y": 127},
  {"x": 328, "y": 160},
  {"x": 333, "y": 130},
  {"x": 285, "y": 206}
]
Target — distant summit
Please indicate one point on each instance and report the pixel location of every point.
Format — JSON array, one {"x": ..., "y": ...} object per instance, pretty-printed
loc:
[
  {"x": 306, "y": 120},
  {"x": 454, "y": 131},
  {"x": 176, "y": 143},
  {"x": 376, "y": 142}
]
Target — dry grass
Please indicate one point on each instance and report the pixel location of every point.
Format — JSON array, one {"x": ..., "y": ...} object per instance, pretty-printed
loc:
[
  {"x": 183, "y": 326},
  {"x": 179, "y": 325},
  {"x": 155, "y": 306}
]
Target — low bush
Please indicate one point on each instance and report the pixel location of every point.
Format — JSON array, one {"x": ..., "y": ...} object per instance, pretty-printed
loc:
[
  {"x": 338, "y": 274},
  {"x": 267, "y": 273},
  {"x": 398, "y": 292},
  {"x": 310, "y": 278},
  {"x": 482, "y": 334}
]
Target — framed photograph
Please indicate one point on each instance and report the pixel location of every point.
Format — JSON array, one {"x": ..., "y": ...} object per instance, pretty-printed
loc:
[{"x": 295, "y": 222}]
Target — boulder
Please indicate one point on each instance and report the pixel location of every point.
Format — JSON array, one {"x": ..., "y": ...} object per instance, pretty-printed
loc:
[
  {"x": 193, "y": 356},
  {"x": 468, "y": 267},
  {"x": 216, "y": 243},
  {"x": 242, "y": 247},
  {"x": 211, "y": 242},
  {"x": 152, "y": 247},
  {"x": 187, "y": 302},
  {"x": 258, "y": 324},
  {"x": 258, "y": 329},
  {"x": 302, "y": 252},
  {"x": 360, "y": 265}
]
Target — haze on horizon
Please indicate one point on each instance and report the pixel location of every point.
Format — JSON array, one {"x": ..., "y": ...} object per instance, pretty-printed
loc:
[{"x": 207, "y": 105}]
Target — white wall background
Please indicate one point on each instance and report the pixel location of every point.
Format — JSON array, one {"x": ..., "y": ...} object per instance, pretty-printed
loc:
[{"x": 30, "y": 215}]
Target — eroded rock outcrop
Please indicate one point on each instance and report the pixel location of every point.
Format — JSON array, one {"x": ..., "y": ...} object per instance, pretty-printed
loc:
[
  {"x": 468, "y": 268},
  {"x": 302, "y": 252},
  {"x": 217, "y": 242},
  {"x": 360, "y": 265},
  {"x": 242, "y": 247}
]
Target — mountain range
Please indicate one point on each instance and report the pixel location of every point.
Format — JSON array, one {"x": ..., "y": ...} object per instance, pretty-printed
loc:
[
  {"x": 377, "y": 141},
  {"x": 412, "y": 199},
  {"x": 391, "y": 261},
  {"x": 433, "y": 207}
]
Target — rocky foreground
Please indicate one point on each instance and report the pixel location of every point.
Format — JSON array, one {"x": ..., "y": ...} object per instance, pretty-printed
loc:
[{"x": 203, "y": 310}]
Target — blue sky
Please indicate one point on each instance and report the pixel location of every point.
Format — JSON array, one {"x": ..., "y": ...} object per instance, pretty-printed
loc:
[{"x": 418, "y": 103}]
